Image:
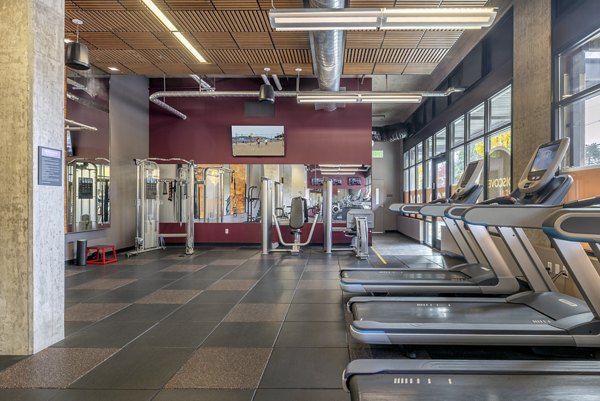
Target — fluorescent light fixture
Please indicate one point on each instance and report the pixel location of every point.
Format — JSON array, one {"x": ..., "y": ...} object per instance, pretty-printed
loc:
[
  {"x": 336, "y": 173},
  {"x": 340, "y": 165},
  {"x": 319, "y": 19},
  {"x": 113, "y": 69},
  {"x": 173, "y": 29},
  {"x": 357, "y": 97}
]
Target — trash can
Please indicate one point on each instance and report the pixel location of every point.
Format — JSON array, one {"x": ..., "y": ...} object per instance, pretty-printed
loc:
[{"x": 81, "y": 259}]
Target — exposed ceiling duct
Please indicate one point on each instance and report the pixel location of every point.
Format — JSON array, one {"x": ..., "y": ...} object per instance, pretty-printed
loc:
[
  {"x": 328, "y": 53},
  {"x": 391, "y": 133}
]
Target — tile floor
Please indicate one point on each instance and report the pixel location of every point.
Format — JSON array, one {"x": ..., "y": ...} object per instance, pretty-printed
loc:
[{"x": 223, "y": 324}]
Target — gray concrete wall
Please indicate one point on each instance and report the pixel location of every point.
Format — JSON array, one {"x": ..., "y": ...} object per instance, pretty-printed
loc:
[
  {"x": 128, "y": 114},
  {"x": 32, "y": 225}
]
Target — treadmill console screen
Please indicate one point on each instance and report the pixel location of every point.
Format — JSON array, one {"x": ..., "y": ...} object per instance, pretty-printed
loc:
[
  {"x": 467, "y": 174},
  {"x": 543, "y": 159}
]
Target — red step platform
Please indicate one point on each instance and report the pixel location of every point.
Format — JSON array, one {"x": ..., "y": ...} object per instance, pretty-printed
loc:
[{"x": 101, "y": 251}]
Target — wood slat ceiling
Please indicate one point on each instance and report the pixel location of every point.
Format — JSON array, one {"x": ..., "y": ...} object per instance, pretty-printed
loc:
[{"x": 236, "y": 38}]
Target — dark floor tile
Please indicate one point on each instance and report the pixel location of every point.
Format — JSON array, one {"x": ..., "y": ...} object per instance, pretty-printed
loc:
[
  {"x": 72, "y": 327},
  {"x": 136, "y": 368},
  {"x": 205, "y": 395},
  {"x": 283, "y": 275},
  {"x": 104, "y": 395},
  {"x": 250, "y": 274},
  {"x": 319, "y": 285},
  {"x": 305, "y": 368},
  {"x": 301, "y": 395},
  {"x": 200, "y": 313},
  {"x": 27, "y": 394},
  {"x": 142, "y": 313},
  {"x": 8, "y": 360},
  {"x": 328, "y": 275},
  {"x": 243, "y": 335},
  {"x": 315, "y": 313},
  {"x": 144, "y": 284},
  {"x": 105, "y": 335},
  {"x": 162, "y": 275},
  {"x": 176, "y": 334},
  {"x": 120, "y": 295},
  {"x": 268, "y": 296},
  {"x": 279, "y": 284},
  {"x": 257, "y": 313},
  {"x": 218, "y": 297},
  {"x": 317, "y": 297},
  {"x": 312, "y": 334},
  {"x": 82, "y": 295},
  {"x": 188, "y": 283}
]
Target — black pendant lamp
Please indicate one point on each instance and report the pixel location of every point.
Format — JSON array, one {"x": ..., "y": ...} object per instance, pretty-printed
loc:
[{"x": 76, "y": 54}]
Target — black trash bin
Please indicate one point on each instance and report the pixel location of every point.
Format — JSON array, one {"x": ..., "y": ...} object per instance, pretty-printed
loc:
[{"x": 81, "y": 259}]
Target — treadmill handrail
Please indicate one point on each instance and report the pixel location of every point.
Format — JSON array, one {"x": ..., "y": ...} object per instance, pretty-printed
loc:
[
  {"x": 435, "y": 210},
  {"x": 520, "y": 216},
  {"x": 555, "y": 225}
]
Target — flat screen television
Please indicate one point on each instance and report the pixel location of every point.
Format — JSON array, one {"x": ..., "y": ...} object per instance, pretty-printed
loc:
[
  {"x": 354, "y": 181},
  {"x": 316, "y": 181},
  {"x": 336, "y": 181},
  {"x": 258, "y": 140}
]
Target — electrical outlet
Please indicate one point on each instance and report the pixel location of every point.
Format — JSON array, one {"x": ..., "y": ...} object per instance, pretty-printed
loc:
[
  {"x": 556, "y": 268},
  {"x": 226, "y": 231}
]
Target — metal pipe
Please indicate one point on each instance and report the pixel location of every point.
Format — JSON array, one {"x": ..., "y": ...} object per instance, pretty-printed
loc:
[
  {"x": 276, "y": 81},
  {"x": 77, "y": 126},
  {"x": 327, "y": 215},
  {"x": 265, "y": 79}
]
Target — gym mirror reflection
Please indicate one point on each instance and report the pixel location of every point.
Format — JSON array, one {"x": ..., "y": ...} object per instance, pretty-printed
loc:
[
  {"x": 230, "y": 193},
  {"x": 87, "y": 139}
]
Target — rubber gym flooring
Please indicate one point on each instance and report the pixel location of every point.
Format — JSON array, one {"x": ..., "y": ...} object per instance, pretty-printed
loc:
[{"x": 225, "y": 324}]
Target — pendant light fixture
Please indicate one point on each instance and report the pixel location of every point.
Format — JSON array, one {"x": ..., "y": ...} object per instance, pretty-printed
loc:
[{"x": 76, "y": 54}]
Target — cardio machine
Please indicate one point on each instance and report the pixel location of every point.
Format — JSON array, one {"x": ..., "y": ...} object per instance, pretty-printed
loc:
[
  {"x": 358, "y": 224},
  {"x": 542, "y": 316},
  {"x": 567, "y": 228}
]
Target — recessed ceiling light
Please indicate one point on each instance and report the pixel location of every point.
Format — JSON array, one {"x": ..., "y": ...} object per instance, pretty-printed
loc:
[
  {"x": 67, "y": 40},
  {"x": 113, "y": 69}
]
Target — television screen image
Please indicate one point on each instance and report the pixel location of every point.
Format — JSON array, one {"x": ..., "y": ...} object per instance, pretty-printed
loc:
[
  {"x": 336, "y": 181},
  {"x": 354, "y": 181},
  {"x": 316, "y": 181},
  {"x": 258, "y": 140}
]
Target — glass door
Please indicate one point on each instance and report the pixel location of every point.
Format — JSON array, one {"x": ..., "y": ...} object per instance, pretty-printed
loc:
[{"x": 440, "y": 182}]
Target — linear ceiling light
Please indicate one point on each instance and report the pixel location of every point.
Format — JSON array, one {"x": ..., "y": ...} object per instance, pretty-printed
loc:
[
  {"x": 380, "y": 18},
  {"x": 357, "y": 97},
  {"x": 173, "y": 29}
]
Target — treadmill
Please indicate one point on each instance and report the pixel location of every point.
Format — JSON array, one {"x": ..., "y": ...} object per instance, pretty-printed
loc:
[
  {"x": 541, "y": 317},
  {"x": 436, "y": 380},
  {"x": 360, "y": 279},
  {"x": 486, "y": 270},
  {"x": 429, "y": 380}
]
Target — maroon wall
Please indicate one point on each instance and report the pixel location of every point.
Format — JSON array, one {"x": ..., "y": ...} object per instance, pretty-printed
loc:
[{"x": 341, "y": 136}]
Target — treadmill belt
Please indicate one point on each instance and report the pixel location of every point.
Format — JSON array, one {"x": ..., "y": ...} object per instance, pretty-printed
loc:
[
  {"x": 387, "y": 275},
  {"x": 476, "y": 387},
  {"x": 447, "y": 312}
]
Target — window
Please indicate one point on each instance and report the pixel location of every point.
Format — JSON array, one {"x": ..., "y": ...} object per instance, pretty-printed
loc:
[
  {"x": 579, "y": 101},
  {"x": 458, "y": 131},
  {"x": 477, "y": 121},
  {"x": 482, "y": 133},
  {"x": 440, "y": 142},
  {"x": 500, "y": 109},
  {"x": 499, "y": 164}
]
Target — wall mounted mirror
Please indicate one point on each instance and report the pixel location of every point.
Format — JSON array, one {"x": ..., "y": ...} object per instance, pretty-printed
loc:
[{"x": 87, "y": 136}]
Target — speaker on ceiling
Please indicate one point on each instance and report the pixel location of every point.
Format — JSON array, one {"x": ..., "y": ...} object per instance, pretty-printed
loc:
[
  {"x": 266, "y": 94},
  {"x": 77, "y": 57}
]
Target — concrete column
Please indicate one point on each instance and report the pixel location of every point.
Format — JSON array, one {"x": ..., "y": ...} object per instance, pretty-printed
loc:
[
  {"x": 31, "y": 216},
  {"x": 532, "y": 80}
]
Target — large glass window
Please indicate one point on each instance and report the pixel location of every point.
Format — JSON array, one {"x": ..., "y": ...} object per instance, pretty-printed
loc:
[
  {"x": 477, "y": 121},
  {"x": 501, "y": 109},
  {"x": 499, "y": 164},
  {"x": 440, "y": 142},
  {"x": 579, "y": 102},
  {"x": 580, "y": 67},
  {"x": 458, "y": 131},
  {"x": 482, "y": 133}
]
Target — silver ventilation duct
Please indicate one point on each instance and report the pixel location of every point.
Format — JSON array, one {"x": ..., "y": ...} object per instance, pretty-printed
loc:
[{"x": 328, "y": 53}]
